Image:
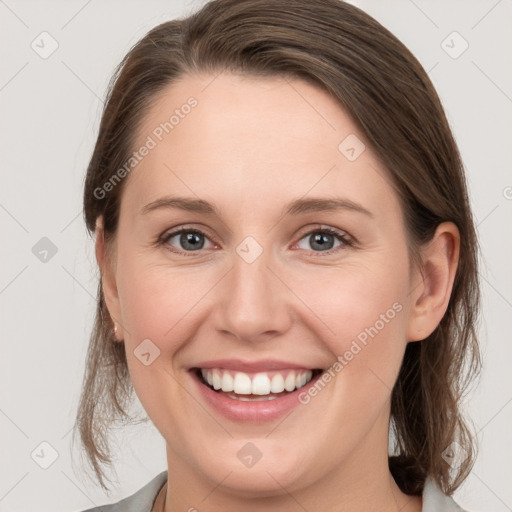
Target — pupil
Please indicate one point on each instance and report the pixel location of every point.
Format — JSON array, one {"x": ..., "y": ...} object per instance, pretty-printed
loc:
[
  {"x": 323, "y": 241},
  {"x": 191, "y": 241}
]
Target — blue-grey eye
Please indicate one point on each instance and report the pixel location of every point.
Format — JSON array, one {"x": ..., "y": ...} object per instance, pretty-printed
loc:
[
  {"x": 320, "y": 240},
  {"x": 187, "y": 240}
]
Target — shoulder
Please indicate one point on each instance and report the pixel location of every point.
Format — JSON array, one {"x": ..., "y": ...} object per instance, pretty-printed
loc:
[
  {"x": 141, "y": 501},
  {"x": 435, "y": 501}
]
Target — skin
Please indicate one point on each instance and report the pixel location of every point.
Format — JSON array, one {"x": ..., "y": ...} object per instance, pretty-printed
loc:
[{"x": 251, "y": 146}]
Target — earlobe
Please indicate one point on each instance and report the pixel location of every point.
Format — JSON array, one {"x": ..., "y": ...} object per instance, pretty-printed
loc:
[
  {"x": 430, "y": 298},
  {"x": 108, "y": 281}
]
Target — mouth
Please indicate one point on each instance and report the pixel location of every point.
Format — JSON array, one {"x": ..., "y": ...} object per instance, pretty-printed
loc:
[
  {"x": 253, "y": 394},
  {"x": 255, "y": 387}
]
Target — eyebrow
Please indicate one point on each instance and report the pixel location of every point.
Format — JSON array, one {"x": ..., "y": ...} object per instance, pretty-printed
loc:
[
  {"x": 182, "y": 203},
  {"x": 297, "y": 207},
  {"x": 321, "y": 205}
]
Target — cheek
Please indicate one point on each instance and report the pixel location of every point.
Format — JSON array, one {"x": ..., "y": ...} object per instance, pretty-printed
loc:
[
  {"x": 158, "y": 304},
  {"x": 362, "y": 311},
  {"x": 165, "y": 305},
  {"x": 356, "y": 304},
  {"x": 155, "y": 299},
  {"x": 351, "y": 300}
]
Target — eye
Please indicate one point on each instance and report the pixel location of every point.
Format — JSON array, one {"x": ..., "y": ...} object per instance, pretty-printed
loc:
[
  {"x": 324, "y": 240},
  {"x": 188, "y": 240},
  {"x": 321, "y": 240}
]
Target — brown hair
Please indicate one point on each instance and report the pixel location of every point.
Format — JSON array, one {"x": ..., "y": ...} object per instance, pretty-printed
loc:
[{"x": 373, "y": 76}]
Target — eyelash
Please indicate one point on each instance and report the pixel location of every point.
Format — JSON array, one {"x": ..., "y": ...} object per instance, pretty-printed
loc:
[{"x": 343, "y": 238}]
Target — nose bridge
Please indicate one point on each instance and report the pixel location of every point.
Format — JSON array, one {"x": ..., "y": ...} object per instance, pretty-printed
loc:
[{"x": 253, "y": 303}]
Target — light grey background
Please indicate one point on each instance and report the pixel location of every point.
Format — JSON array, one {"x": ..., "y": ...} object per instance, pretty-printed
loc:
[{"x": 50, "y": 110}]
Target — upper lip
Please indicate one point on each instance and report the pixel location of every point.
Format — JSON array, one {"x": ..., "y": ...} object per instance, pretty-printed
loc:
[{"x": 252, "y": 366}]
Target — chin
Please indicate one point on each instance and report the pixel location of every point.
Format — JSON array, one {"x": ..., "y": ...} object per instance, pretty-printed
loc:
[{"x": 272, "y": 469}]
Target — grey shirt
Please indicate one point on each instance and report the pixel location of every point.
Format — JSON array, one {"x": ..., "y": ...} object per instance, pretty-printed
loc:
[{"x": 142, "y": 501}]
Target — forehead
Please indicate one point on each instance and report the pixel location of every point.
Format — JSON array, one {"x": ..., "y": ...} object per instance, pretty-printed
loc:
[
  {"x": 254, "y": 139},
  {"x": 281, "y": 109}
]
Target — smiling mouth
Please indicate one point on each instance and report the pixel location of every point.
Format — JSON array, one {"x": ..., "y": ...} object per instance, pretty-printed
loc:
[{"x": 255, "y": 387}]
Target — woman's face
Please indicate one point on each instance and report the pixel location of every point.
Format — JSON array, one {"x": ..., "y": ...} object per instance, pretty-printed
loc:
[{"x": 293, "y": 260}]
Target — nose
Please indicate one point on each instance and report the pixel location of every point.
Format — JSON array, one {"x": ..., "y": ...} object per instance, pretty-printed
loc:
[{"x": 254, "y": 304}]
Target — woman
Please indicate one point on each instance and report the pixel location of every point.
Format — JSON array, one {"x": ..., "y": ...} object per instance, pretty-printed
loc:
[{"x": 288, "y": 266}]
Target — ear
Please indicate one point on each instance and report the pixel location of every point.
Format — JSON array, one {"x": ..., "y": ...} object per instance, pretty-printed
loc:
[
  {"x": 431, "y": 286},
  {"x": 108, "y": 280}
]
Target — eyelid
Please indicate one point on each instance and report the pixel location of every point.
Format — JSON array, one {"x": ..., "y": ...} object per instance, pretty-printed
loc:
[
  {"x": 185, "y": 227},
  {"x": 324, "y": 227}
]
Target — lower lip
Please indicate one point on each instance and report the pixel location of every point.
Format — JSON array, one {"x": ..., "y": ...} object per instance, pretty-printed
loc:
[{"x": 251, "y": 411}]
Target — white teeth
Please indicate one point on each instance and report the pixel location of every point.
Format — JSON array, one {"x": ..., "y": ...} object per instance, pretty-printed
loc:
[
  {"x": 256, "y": 384},
  {"x": 242, "y": 384},
  {"x": 227, "y": 382},
  {"x": 290, "y": 382},
  {"x": 260, "y": 384},
  {"x": 277, "y": 385},
  {"x": 217, "y": 381}
]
